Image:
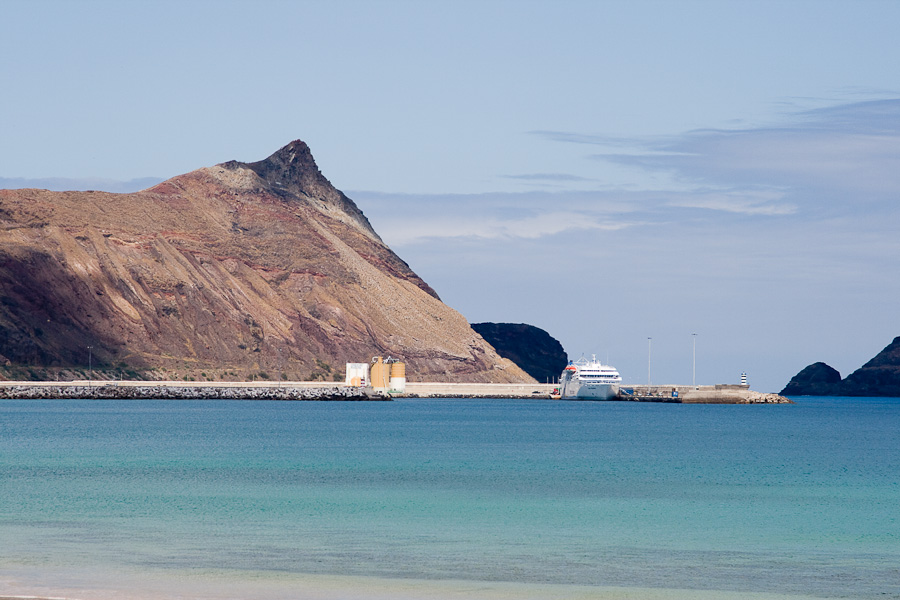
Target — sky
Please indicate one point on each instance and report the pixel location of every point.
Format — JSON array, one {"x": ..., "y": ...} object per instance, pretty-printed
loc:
[{"x": 687, "y": 189}]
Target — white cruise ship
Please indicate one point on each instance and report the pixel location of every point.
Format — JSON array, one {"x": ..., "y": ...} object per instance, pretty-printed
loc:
[{"x": 589, "y": 380}]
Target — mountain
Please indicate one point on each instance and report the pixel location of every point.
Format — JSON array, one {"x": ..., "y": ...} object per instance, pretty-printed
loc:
[
  {"x": 533, "y": 349},
  {"x": 235, "y": 271},
  {"x": 878, "y": 377}
]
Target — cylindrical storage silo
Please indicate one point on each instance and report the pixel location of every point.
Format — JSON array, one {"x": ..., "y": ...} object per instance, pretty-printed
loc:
[
  {"x": 398, "y": 378},
  {"x": 380, "y": 374}
]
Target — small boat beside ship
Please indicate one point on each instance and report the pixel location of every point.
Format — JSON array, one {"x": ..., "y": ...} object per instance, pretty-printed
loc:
[{"x": 589, "y": 380}]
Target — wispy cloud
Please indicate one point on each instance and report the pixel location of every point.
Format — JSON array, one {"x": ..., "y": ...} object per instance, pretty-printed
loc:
[
  {"x": 803, "y": 160},
  {"x": 745, "y": 202},
  {"x": 583, "y": 138},
  {"x": 61, "y": 184},
  {"x": 876, "y": 117},
  {"x": 553, "y": 177},
  {"x": 404, "y": 219},
  {"x": 818, "y": 162},
  {"x": 421, "y": 230},
  {"x": 826, "y": 157}
]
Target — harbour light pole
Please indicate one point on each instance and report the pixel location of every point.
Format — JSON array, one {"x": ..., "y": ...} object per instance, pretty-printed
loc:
[
  {"x": 649, "y": 339},
  {"x": 694, "y": 371}
]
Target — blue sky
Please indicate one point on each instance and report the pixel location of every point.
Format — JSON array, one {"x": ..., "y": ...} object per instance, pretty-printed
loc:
[{"x": 608, "y": 171}]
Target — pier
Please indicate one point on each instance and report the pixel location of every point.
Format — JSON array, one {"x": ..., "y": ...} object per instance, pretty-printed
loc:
[
  {"x": 318, "y": 390},
  {"x": 679, "y": 394},
  {"x": 698, "y": 394}
]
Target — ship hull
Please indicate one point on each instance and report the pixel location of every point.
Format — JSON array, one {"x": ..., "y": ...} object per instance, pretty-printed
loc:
[{"x": 578, "y": 391}]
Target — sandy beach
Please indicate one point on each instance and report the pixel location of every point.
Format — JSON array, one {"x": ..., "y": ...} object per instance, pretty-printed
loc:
[{"x": 267, "y": 586}]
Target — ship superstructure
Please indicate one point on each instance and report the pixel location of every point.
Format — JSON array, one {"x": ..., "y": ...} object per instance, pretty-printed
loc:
[{"x": 589, "y": 380}]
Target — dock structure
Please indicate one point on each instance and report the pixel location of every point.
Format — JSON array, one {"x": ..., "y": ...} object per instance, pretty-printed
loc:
[
  {"x": 698, "y": 394},
  {"x": 680, "y": 394},
  {"x": 318, "y": 390},
  {"x": 415, "y": 389}
]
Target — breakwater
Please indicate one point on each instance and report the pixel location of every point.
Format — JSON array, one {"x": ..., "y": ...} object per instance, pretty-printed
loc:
[
  {"x": 173, "y": 390},
  {"x": 681, "y": 394},
  {"x": 699, "y": 394},
  {"x": 317, "y": 390}
]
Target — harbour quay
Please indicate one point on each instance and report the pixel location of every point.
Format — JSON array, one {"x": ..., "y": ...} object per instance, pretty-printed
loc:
[
  {"x": 415, "y": 389},
  {"x": 679, "y": 394},
  {"x": 698, "y": 394},
  {"x": 318, "y": 390}
]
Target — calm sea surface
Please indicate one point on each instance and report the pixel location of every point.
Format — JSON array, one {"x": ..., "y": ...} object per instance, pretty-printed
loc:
[{"x": 799, "y": 499}]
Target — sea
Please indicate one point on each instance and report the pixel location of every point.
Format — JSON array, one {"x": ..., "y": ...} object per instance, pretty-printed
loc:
[{"x": 450, "y": 498}]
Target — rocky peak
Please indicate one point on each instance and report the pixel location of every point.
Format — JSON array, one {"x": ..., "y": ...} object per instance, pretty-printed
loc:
[
  {"x": 291, "y": 168},
  {"x": 292, "y": 173}
]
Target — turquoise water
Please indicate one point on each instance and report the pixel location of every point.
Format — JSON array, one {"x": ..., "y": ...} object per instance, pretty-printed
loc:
[{"x": 798, "y": 499}]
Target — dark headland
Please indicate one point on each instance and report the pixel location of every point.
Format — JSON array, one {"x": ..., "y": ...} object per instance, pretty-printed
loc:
[
  {"x": 878, "y": 377},
  {"x": 536, "y": 351}
]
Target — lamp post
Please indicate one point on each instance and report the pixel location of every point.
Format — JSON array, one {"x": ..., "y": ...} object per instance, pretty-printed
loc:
[
  {"x": 694, "y": 371},
  {"x": 649, "y": 339}
]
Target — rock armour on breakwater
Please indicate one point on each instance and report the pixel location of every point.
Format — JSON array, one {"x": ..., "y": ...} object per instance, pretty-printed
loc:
[
  {"x": 701, "y": 394},
  {"x": 763, "y": 398},
  {"x": 156, "y": 392}
]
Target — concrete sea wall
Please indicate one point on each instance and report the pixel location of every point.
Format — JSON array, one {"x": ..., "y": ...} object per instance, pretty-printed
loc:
[{"x": 477, "y": 390}]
